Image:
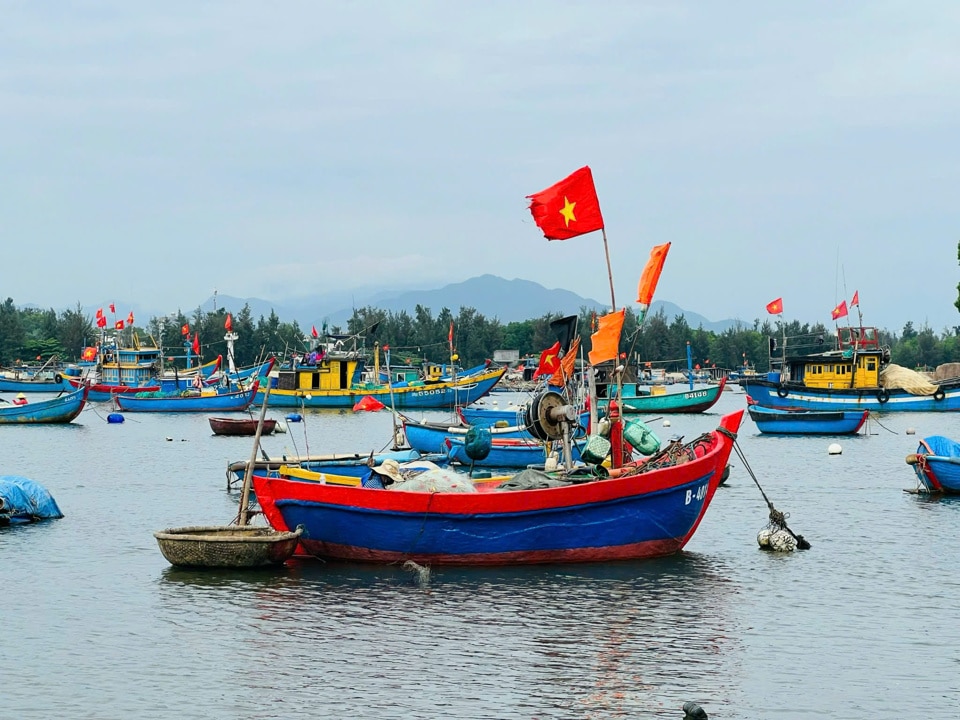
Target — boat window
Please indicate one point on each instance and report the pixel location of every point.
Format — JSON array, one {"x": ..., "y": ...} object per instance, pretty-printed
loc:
[{"x": 871, "y": 364}]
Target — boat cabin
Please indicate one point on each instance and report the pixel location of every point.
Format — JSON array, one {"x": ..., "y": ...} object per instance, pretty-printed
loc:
[
  {"x": 338, "y": 370},
  {"x": 855, "y": 364},
  {"x": 131, "y": 366}
]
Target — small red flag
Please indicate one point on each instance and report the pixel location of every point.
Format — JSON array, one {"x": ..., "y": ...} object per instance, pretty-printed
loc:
[
  {"x": 313, "y": 331},
  {"x": 113, "y": 308},
  {"x": 196, "y": 343},
  {"x": 101, "y": 322},
  {"x": 118, "y": 325},
  {"x": 856, "y": 298},
  {"x": 228, "y": 323},
  {"x": 775, "y": 307},
  {"x": 567, "y": 208},
  {"x": 549, "y": 361},
  {"x": 185, "y": 330},
  {"x": 99, "y": 313},
  {"x": 130, "y": 318},
  {"x": 450, "y": 334},
  {"x": 839, "y": 311}
]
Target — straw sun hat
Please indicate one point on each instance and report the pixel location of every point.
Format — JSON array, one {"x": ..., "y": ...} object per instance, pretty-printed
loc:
[{"x": 389, "y": 468}]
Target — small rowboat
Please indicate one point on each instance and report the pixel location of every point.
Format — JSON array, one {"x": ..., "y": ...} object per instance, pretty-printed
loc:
[
  {"x": 240, "y": 426},
  {"x": 229, "y": 546},
  {"x": 807, "y": 422}
]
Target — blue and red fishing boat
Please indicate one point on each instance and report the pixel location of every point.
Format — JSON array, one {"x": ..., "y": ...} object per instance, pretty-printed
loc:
[
  {"x": 937, "y": 464},
  {"x": 650, "y": 508}
]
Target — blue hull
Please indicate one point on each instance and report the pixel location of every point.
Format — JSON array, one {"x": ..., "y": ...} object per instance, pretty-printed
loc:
[
  {"x": 629, "y": 517},
  {"x": 938, "y": 464},
  {"x": 507, "y": 456},
  {"x": 24, "y": 386},
  {"x": 61, "y": 409},
  {"x": 771, "y": 394},
  {"x": 227, "y": 402},
  {"x": 406, "y": 397},
  {"x": 808, "y": 422}
]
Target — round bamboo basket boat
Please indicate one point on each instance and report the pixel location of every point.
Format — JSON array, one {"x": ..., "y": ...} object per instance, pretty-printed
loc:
[{"x": 230, "y": 546}]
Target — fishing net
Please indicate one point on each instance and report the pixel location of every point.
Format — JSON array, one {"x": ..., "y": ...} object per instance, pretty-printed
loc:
[
  {"x": 436, "y": 480},
  {"x": 897, "y": 376}
]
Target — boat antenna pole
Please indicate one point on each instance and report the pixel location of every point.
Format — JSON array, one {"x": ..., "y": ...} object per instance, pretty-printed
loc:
[{"x": 393, "y": 404}]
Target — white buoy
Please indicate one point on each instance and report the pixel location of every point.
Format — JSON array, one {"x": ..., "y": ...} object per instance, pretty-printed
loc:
[
  {"x": 834, "y": 449},
  {"x": 666, "y": 423},
  {"x": 911, "y": 431}
]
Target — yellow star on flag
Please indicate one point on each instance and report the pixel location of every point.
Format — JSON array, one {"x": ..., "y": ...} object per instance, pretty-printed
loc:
[{"x": 567, "y": 211}]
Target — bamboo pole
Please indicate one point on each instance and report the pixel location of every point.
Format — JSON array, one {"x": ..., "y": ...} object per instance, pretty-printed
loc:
[
  {"x": 244, "y": 514},
  {"x": 606, "y": 251}
]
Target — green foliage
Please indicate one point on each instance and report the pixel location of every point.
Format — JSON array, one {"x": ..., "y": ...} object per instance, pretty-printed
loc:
[{"x": 27, "y": 333}]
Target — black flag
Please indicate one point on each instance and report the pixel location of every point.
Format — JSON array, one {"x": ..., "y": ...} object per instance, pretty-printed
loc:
[{"x": 566, "y": 330}]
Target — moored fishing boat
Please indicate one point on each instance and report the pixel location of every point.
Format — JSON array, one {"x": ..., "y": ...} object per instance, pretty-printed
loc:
[
  {"x": 659, "y": 400},
  {"x": 507, "y": 452},
  {"x": 240, "y": 426},
  {"x": 337, "y": 381},
  {"x": 856, "y": 375},
  {"x": 188, "y": 401},
  {"x": 648, "y": 510},
  {"x": 937, "y": 464},
  {"x": 780, "y": 421},
  {"x": 61, "y": 409}
]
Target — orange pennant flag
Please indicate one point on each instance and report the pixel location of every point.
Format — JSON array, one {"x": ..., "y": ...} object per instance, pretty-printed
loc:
[
  {"x": 606, "y": 340},
  {"x": 565, "y": 371},
  {"x": 651, "y": 274}
]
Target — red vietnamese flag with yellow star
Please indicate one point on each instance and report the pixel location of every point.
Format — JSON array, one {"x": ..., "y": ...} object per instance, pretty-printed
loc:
[
  {"x": 568, "y": 208},
  {"x": 549, "y": 361}
]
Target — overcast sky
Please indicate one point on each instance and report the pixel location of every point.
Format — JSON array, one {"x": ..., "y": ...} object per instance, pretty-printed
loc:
[{"x": 154, "y": 152}]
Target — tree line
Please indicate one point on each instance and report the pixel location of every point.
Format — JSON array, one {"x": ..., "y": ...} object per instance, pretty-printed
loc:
[{"x": 28, "y": 335}]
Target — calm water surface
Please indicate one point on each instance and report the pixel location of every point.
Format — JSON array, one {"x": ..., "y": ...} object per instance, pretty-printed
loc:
[{"x": 96, "y": 624}]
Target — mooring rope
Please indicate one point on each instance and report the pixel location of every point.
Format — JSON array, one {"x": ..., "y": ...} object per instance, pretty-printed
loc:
[{"x": 777, "y": 519}]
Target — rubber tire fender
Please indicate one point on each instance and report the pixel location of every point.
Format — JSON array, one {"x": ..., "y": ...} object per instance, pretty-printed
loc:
[
  {"x": 939, "y": 394},
  {"x": 782, "y": 392},
  {"x": 882, "y": 395},
  {"x": 58, "y": 378}
]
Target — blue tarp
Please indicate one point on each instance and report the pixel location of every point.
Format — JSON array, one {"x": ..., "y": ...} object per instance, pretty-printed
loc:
[{"x": 23, "y": 500}]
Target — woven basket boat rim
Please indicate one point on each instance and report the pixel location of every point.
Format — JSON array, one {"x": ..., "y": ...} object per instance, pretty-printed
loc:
[{"x": 222, "y": 533}]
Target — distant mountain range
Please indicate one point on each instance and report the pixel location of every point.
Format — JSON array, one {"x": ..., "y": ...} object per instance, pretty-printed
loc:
[{"x": 492, "y": 296}]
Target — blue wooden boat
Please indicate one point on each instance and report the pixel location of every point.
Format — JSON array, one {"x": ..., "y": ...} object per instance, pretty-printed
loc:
[
  {"x": 507, "y": 452},
  {"x": 61, "y": 409},
  {"x": 857, "y": 375},
  {"x": 339, "y": 381},
  {"x": 937, "y": 464},
  {"x": 17, "y": 381},
  {"x": 647, "y": 511},
  {"x": 201, "y": 401},
  {"x": 807, "y": 422},
  {"x": 430, "y": 437}
]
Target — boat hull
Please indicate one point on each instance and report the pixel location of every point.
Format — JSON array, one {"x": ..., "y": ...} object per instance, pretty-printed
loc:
[
  {"x": 788, "y": 395},
  {"x": 937, "y": 465},
  {"x": 240, "y": 426},
  {"x": 507, "y": 453},
  {"x": 61, "y": 409},
  {"x": 226, "y": 402},
  {"x": 808, "y": 422},
  {"x": 443, "y": 394},
  {"x": 689, "y": 401},
  {"x": 629, "y": 517}
]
